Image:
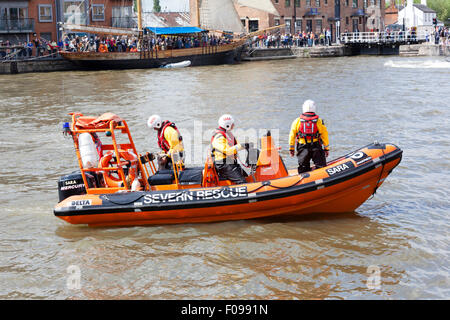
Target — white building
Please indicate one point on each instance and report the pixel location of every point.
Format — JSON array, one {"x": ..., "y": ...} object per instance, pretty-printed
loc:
[{"x": 417, "y": 15}]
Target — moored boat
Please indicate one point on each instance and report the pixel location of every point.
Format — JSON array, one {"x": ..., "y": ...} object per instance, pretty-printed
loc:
[
  {"x": 211, "y": 18},
  {"x": 192, "y": 195},
  {"x": 199, "y": 56}
]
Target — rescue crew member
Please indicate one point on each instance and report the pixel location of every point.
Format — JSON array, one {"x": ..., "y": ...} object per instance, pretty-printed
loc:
[
  {"x": 224, "y": 147},
  {"x": 312, "y": 138},
  {"x": 169, "y": 139}
]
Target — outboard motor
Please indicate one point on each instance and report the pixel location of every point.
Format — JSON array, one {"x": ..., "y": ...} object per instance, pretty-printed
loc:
[{"x": 72, "y": 184}]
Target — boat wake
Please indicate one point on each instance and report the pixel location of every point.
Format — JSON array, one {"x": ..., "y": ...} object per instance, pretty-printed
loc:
[{"x": 411, "y": 64}]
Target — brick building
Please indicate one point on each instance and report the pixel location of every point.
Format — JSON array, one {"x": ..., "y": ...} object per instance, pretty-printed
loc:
[
  {"x": 391, "y": 14},
  {"x": 24, "y": 20},
  {"x": 316, "y": 15}
]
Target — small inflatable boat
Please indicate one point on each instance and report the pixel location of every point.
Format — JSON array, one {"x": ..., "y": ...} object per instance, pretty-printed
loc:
[
  {"x": 125, "y": 188},
  {"x": 182, "y": 64}
]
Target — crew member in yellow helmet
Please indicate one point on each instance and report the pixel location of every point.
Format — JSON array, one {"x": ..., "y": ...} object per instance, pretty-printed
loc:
[
  {"x": 169, "y": 139},
  {"x": 312, "y": 138},
  {"x": 225, "y": 147}
]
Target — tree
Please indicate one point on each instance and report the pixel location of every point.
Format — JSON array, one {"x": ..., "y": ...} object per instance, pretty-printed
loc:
[
  {"x": 156, "y": 6},
  {"x": 442, "y": 8}
]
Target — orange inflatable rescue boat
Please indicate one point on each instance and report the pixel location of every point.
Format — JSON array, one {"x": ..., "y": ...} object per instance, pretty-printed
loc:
[{"x": 116, "y": 186}]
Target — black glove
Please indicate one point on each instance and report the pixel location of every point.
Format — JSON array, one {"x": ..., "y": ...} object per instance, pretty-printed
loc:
[
  {"x": 148, "y": 155},
  {"x": 246, "y": 146},
  {"x": 151, "y": 156}
]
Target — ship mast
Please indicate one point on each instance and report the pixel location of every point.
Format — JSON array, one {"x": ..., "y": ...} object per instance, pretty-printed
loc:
[
  {"x": 197, "y": 4},
  {"x": 139, "y": 13}
]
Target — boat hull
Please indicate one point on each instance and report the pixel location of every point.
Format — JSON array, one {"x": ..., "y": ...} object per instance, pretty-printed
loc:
[
  {"x": 342, "y": 186},
  {"x": 138, "y": 60}
]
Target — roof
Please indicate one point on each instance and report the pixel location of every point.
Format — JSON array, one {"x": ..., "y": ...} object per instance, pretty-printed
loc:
[
  {"x": 174, "y": 30},
  {"x": 424, "y": 8}
]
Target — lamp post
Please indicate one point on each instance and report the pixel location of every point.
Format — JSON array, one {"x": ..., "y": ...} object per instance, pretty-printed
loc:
[{"x": 338, "y": 32}]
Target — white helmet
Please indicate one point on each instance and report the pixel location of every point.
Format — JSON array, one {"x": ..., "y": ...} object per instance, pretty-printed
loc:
[
  {"x": 226, "y": 121},
  {"x": 309, "y": 106},
  {"x": 154, "y": 122}
]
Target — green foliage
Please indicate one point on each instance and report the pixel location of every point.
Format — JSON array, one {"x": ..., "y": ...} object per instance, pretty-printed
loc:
[
  {"x": 442, "y": 8},
  {"x": 156, "y": 6}
]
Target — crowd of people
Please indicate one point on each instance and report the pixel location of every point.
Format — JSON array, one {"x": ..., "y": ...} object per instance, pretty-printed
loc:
[
  {"x": 441, "y": 35},
  {"x": 131, "y": 43},
  {"x": 73, "y": 43},
  {"x": 300, "y": 39},
  {"x": 27, "y": 49}
]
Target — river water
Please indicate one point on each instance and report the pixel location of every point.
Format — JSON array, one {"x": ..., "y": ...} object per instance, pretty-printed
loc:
[{"x": 395, "y": 246}]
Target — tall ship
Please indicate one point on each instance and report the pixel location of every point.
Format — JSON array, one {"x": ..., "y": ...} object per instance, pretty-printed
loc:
[{"x": 211, "y": 17}]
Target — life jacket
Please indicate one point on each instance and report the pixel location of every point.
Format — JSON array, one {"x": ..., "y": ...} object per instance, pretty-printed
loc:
[
  {"x": 231, "y": 140},
  {"x": 162, "y": 142},
  {"x": 308, "y": 127}
]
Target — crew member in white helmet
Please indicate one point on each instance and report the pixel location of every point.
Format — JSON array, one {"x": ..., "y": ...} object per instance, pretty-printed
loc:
[
  {"x": 224, "y": 148},
  {"x": 312, "y": 138},
  {"x": 169, "y": 139}
]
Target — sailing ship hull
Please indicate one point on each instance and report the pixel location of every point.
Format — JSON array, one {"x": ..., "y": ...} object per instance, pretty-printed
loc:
[{"x": 151, "y": 59}]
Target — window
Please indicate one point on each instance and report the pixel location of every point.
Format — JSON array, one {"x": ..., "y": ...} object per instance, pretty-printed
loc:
[
  {"x": 346, "y": 3},
  {"x": 297, "y": 3},
  {"x": 98, "y": 12},
  {"x": 325, "y": 2},
  {"x": 122, "y": 17},
  {"x": 277, "y": 22},
  {"x": 308, "y": 3},
  {"x": 355, "y": 25},
  {"x": 45, "y": 13},
  {"x": 317, "y": 3},
  {"x": 253, "y": 25},
  {"x": 372, "y": 2},
  {"x": 308, "y": 25},
  {"x": 346, "y": 20},
  {"x": 318, "y": 26},
  {"x": 243, "y": 22},
  {"x": 298, "y": 26},
  {"x": 355, "y": 4},
  {"x": 287, "y": 3},
  {"x": 75, "y": 11},
  {"x": 288, "y": 25},
  {"x": 46, "y": 36},
  {"x": 365, "y": 3}
]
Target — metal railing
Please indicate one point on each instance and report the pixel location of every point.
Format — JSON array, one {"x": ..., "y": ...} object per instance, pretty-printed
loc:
[
  {"x": 382, "y": 37},
  {"x": 25, "y": 25},
  {"x": 123, "y": 22}
]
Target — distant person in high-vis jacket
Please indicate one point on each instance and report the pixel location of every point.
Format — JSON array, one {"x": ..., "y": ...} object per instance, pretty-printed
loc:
[
  {"x": 310, "y": 135},
  {"x": 169, "y": 140}
]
